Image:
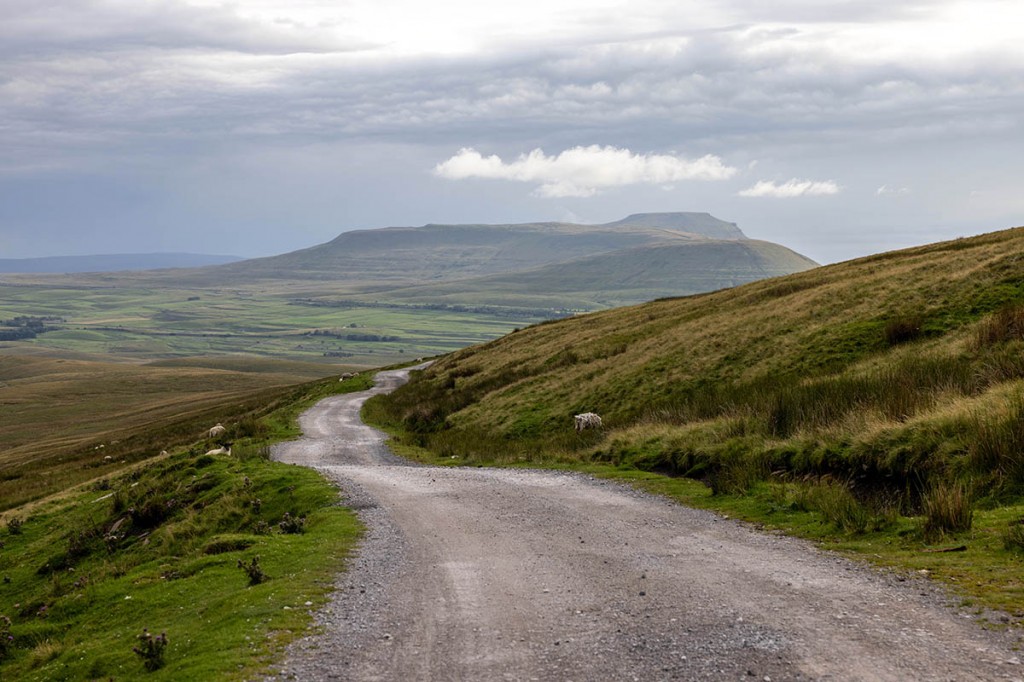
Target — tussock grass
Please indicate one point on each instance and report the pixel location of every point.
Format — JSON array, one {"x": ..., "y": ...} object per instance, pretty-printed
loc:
[
  {"x": 1006, "y": 324},
  {"x": 837, "y": 505},
  {"x": 904, "y": 328},
  {"x": 947, "y": 509},
  {"x": 1013, "y": 536},
  {"x": 996, "y": 451}
]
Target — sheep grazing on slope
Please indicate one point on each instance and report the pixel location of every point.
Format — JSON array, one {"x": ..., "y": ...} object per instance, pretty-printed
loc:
[
  {"x": 217, "y": 430},
  {"x": 224, "y": 450},
  {"x": 587, "y": 420}
]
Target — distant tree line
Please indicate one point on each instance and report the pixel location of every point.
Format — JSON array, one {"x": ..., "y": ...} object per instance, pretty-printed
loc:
[
  {"x": 495, "y": 311},
  {"x": 346, "y": 336},
  {"x": 27, "y": 326}
]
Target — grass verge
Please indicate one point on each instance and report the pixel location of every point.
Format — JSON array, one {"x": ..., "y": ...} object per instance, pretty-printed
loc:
[
  {"x": 986, "y": 575},
  {"x": 171, "y": 547}
]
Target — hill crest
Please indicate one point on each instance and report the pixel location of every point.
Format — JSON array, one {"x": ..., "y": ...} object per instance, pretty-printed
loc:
[
  {"x": 703, "y": 224},
  {"x": 445, "y": 252}
]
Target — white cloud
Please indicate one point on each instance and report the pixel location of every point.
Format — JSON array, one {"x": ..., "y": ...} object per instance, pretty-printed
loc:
[
  {"x": 583, "y": 171},
  {"x": 791, "y": 189},
  {"x": 890, "y": 191}
]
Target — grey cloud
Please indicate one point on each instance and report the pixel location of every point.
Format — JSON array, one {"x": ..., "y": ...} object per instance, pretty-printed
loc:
[
  {"x": 705, "y": 86},
  {"x": 137, "y": 93},
  {"x": 831, "y": 11},
  {"x": 711, "y": 88},
  {"x": 104, "y": 27}
]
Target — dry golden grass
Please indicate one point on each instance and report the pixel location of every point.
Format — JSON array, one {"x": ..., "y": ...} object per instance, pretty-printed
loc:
[
  {"x": 61, "y": 417},
  {"x": 615, "y": 362}
]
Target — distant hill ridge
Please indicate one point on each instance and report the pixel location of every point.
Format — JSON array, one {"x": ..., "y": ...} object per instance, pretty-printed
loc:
[
  {"x": 699, "y": 223},
  {"x": 436, "y": 252},
  {"x": 112, "y": 262},
  {"x": 551, "y": 266}
]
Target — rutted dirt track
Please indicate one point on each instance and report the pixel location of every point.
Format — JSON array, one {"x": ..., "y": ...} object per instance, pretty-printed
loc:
[{"x": 488, "y": 574}]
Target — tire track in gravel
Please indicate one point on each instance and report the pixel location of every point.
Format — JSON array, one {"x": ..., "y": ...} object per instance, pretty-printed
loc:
[{"x": 495, "y": 574}]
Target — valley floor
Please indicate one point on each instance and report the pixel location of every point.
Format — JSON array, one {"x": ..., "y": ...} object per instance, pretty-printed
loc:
[{"x": 475, "y": 573}]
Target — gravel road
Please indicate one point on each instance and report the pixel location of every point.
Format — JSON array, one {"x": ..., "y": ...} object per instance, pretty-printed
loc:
[{"x": 497, "y": 574}]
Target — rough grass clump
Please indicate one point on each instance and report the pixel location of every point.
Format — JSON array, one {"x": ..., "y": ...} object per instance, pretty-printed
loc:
[
  {"x": 836, "y": 503},
  {"x": 292, "y": 524},
  {"x": 734, "y": 474},
  {"x": 1013, "y": 536},
  {"x": 947, "y": 509},
  {"x": 1006, "y": 324},
  {"x": 903, "y": 329},
  {"x": 996, "y": 451},
  {"x": 230, "y": 543}
]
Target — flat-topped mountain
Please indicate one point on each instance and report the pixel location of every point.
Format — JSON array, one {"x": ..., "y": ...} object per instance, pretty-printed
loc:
[
  {"x": 549, "y": 266},
  {"x": 394, "y": 256}
]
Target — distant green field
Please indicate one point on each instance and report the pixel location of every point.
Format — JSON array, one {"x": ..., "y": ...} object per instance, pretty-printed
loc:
[{"x": 149, "y": 323}]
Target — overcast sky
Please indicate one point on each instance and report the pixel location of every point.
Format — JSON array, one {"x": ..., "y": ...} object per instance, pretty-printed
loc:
[{"x": 838, "y": 128}]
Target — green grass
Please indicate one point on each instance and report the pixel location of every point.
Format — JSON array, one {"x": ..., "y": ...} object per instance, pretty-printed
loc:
[
  {"x": 158, "y": 546},
  {"x": 124, "y": 320}
]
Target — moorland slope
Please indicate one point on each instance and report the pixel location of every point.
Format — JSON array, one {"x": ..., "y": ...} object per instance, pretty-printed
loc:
[{"x": 893, "y": 372}]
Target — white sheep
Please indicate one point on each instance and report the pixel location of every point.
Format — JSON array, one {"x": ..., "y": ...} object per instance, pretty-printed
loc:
[
  {"x": 217, "y": 430},
  {"x": 226, "y": 450},
  {"x": 587, "y": 420}
]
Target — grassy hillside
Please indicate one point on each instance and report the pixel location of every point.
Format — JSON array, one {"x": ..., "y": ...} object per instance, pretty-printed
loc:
[
  {"x": 61, "y": 416},
  {"x": 226, "y": 556},
  {"x": 881, "y": 389},
  {"x": 621, "y": 278}
]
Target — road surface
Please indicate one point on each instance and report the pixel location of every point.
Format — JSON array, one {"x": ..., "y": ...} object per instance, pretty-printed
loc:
[{"x": 498, "y": 574}]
